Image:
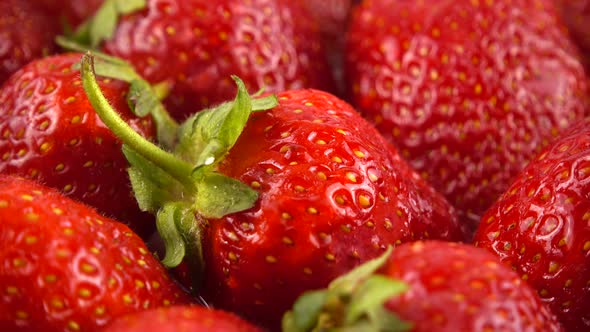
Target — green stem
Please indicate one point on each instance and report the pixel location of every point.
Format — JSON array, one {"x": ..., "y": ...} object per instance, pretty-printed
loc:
[{"x": 177, "y": 168}]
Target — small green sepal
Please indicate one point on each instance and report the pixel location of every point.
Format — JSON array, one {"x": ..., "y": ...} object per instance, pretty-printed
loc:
[{"x": 353, "y": 302}]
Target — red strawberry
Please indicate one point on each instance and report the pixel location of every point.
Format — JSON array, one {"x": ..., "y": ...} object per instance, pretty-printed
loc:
[
  {"x": 66, "y": 268},
  {"x": 467, "y": 90},
  {"x": 74, "y": 12},
  {"x": 198, "y": 44},
  {"x": 179, "y": 318},
  {"x": 426, "y": 286},
  {"x": 541, "y": 226},
  {"x": 576, "y": 14},
  {"x": 26, "y": 32},
  {"x": 319, "y": 192},
  {"x": 50, "y": 132}
]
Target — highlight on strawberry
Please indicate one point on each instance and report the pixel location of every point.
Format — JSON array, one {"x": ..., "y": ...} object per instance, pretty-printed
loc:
[
  {"x": 64, "y": 267},
  {"x": 540, "y": 226},
  {"x": 264, "y": 196}
]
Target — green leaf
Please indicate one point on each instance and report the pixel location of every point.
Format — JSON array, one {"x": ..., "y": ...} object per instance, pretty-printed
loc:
[
  {"x": 264, "y": 104},
  {"x": 103, "y": 23},
  {"x": 306, "y": 312},
  {"x": 219, "y": 195},
  {"x": 151, "y": 185},
  {"x": 219, "y": 128},
  {"x": 370, "y": 294},
  {"x": 125, "y": 7},
  {"x": 351, "y": 279},
  {"x": 386, "y": 321},
  {"x": 166, "y": 222}
]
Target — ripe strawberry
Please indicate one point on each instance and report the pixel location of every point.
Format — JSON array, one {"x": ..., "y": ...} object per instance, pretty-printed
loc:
[
  {"x": 49, "y": 132},
  {"x": 541, "y": 226},
  {"x": 73, "y": 12},
  {"x": 180, "y": 318},
  {"x": 198, "y": 44},
  {"x": 426, "y": 286},
  {"x": 309, "y": 191},
  {"x": 26, "y": 32},
  {"x": 576, "y": 14},
  {"x": 467, "y": 90},
  {"x": 66, "y": 268}
]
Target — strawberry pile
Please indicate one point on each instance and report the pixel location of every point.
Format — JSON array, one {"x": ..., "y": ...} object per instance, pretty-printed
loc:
[{"x": 277, "y": 165}]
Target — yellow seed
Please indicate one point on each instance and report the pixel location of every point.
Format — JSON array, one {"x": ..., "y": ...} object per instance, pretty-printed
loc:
[
  {"x": 312, "y": 210},
  {"x": 364, "y": 201},
  {"x": 255, "y": 184},
  {"x": 99, "y": 311},
  {"x": 76, "y": 119},
  {"x": 84, "y": 293},
  {"x": 307, "y": 271},
  {"x": 72, "y": 325},
  {"x": 286, "y": 216},
  {"x": 3, "y": 204},
  {"x": 30, "y": 240},
  {"x": 19, "y": 262},
  {"x": 271, "y": 259},
  {"x": 32, "y": 216},
  {"x": 287, "y": 240},
  {"x": 87, "y": 268},
  {"x": 22, "y": 315},
  {"x": 10, "y": 290},
  {"x": 50, "y": 278},
  {"x": 330, "y": 257},
  {"x": 27, "y": 197},
  {"x": 155, "y": 285},
  {"x": 139, "y": 284},
  {"x": 127, "y": 299}
]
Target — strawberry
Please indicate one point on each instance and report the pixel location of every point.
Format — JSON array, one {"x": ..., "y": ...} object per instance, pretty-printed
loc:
[
  {"x": 467, "y": 90},
  {"x": 576, "y": 14},
  {"x": 26, "y": 32},
  {"x": 66, "y": 268},
  {"x": 181, "y": 318},
  {"x": 305, "y": 192},
  {"x": 198, "y": 44},
  {"x": 425, "y": 286},
  {"x": 73, "y": 12},
  {"x": 541, "y": 226},
  {"x": 49, "y": 132}
]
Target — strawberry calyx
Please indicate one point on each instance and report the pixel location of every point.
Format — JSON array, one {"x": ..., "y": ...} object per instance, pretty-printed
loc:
[
  {"x": 101, "y": 26},
  {"x": 352, "y": 302},
  {"x": 180, "y": 183}
]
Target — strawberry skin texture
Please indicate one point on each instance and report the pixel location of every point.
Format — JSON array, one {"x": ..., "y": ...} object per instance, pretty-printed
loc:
[
  {"x": 26, "y": 33},
  {"x": 467, "y": 101},
  {"x": 181, "y": 318},
  {"x": 541, "y": 226},
  {"x": 64, "y": 267},
  {"x": 198, "y": 44},
  {"x": 49, "y": 132},
  {"x": 457, "y": 287},
  {"x": 332, "y": 194}
]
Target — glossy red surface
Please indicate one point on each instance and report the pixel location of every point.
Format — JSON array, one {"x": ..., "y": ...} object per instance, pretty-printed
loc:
[
  {"x": 541, "y": 226},
  {"x": 333, "y": 194},
  {"x": 469, "y": 91},
  {"x": 455, "y": 287},
  {"x": 198, "y": 44},
  {"x": 64, "y": 267},
  {"x": 49, "y": 132}
]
